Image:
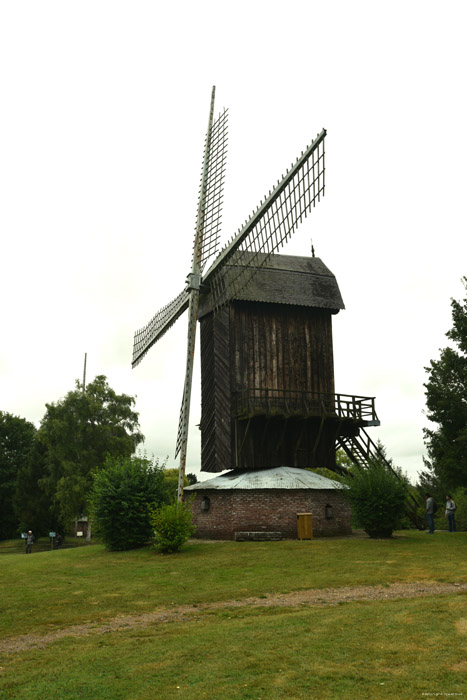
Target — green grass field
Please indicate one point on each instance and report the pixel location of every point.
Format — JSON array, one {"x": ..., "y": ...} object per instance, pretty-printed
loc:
[{"x": 403, "y": 648}]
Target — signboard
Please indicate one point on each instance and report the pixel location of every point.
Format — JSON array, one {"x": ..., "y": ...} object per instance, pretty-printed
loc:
[
  {"x": 52, "y": 534},
  {"x": 79, "y": 534}
]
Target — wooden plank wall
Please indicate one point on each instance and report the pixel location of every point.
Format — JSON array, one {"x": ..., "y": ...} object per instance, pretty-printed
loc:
[
  {"x": 253, "y": 346},
  {"x": 281, "y": 347},
  {"x": 215, "y": 392}
]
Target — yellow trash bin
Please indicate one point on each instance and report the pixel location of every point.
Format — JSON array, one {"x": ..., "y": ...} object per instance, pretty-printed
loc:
[{"x": 304, "y": 526}]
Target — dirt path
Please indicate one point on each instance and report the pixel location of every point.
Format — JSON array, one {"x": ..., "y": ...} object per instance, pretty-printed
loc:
[{"x": 313, "y": 597}]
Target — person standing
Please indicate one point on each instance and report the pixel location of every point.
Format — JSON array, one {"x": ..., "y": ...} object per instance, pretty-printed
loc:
[
  {"x": 450, "y": 510},
  {"x": 29, "y": 542},
  {"x": 430, "y": 505}
]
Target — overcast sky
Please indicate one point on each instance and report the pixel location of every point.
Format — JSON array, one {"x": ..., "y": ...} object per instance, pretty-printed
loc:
[{"x": 104, "y": 108}]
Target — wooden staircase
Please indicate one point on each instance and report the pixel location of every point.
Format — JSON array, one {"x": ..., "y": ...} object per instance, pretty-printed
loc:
[{"x": 362, "y": 450}]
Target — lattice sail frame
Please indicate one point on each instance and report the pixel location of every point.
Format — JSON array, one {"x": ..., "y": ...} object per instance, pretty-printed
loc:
[
  {"x": 207, "y": 222},
  {"x": 145, "y": 338},
  {"x": 207, "y": 235},
  {"x": 213, "y": 198},
  {"x": 271, "y": 225}
]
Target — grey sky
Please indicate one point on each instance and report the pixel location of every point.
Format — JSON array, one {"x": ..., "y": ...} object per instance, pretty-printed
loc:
[{"x": 104, "y": 112}]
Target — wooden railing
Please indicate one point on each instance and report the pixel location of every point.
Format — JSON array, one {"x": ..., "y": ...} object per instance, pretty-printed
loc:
[{"x": 251, "y": 402}]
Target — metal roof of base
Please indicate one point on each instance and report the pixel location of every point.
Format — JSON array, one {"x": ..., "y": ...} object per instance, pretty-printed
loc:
[{"x": 274, "y": 478}]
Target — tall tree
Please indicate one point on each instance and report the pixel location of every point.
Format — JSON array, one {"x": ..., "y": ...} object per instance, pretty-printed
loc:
[
  {"x": 446, "y": 400},
  {"x": 34, "y": 505},
  {"x": 80, "y": 432},
  {"x": 16, "y": 441}
]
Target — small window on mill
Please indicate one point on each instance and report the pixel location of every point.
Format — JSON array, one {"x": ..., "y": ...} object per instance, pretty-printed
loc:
[{"x": 205, "y": 503}]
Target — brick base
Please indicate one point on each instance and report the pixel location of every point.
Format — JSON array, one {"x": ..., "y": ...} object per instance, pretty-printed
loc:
[{"x": 219, "y": 514}]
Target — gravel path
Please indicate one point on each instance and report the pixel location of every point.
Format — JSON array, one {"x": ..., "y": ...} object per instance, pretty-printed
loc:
[{"x": 313, "y": 597}]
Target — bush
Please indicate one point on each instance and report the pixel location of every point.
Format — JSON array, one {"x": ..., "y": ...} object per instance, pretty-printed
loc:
[
  {"x": 123, "y": 496},
  {"x": 378, "y": 500},
  {"x": 173, "y": 526}
]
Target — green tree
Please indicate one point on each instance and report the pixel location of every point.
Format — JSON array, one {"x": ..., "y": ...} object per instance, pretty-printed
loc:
[
  {"x": 343, "y": 461},
  {"x": 378, "y": 499},
  {"x": 17, "y": 437},
  {"x": 124, "y": 494},
  {"x": 446, "y": 400},
  {"x": 460, "y": 499},
  {"x": 34, "y": 508},
  {"x": 80, "y": 432},
  {"x": 170, "y": 484}
]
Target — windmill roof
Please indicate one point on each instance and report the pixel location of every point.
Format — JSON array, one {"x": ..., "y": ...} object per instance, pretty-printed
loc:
[
  {"x": 287, "y": 279},
  {"x": 274, "y": 478}
]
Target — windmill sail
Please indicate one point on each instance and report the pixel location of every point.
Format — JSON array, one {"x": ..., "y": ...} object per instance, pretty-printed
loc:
[
  {"x": 206, "y": 239},
  {"x": 211, "y": 207},
  {"x": 165, "y": 318},
  {"x": 206, "y": 235},
  {"x": 271, "y": 225},
  {"x": 206, "y": 243}
]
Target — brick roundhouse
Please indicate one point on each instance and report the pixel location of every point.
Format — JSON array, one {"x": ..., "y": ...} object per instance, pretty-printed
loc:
[{"x": 265, "y": 504}]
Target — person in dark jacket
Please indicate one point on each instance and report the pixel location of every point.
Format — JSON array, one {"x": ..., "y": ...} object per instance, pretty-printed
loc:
[
  {"x": 29, "y": 542},
  {"x": 430, "y": 509}
]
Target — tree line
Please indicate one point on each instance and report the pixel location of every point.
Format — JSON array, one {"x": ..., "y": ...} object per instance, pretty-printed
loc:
[{"x": 46, "y": 473}]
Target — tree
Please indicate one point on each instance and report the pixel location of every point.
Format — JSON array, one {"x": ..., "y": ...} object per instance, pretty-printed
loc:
[
  {"x": 17, "y": 437},
  {"x": 33, "y": 506},
  {"x": 446, "y": 400},
  {"x": 124, "y": 494},
  {"x": 80, "y": 432},
  {"x": 343, "y": 461},
  {"x": 378, "y": 499},
  {"x": 170, "y": 484}
]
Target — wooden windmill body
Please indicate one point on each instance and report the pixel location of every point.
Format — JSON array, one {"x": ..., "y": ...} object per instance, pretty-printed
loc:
[{"x": 268, "y": 395}]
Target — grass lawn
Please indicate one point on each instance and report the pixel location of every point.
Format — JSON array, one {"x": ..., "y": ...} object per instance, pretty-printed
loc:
[{"x": 372, "y": 649}]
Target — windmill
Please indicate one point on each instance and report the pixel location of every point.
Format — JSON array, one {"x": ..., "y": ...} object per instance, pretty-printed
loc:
[{"x": 267, "y": 229}]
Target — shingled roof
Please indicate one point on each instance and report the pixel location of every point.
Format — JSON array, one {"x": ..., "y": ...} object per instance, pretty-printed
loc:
[{"x": 288, "y": 279}]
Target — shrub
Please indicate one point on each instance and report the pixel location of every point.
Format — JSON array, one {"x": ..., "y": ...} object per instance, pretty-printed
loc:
[
  {"x": 123, "y": 496},
  {"x": 378, "y": 499},
  {"x": 460, "y": 499},
  {"x": 173, "y": 526}
]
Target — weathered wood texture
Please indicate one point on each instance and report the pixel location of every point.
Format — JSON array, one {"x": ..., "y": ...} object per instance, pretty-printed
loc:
[
  {"x": 216, "y": 392},
  {"x": 281, "y": 348},
  {"x": 284, "y": 279},
  {"x": 267, "y": 368},
  {"x": 259, "y": 362},
  {"x": 263, "y": 442}
]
